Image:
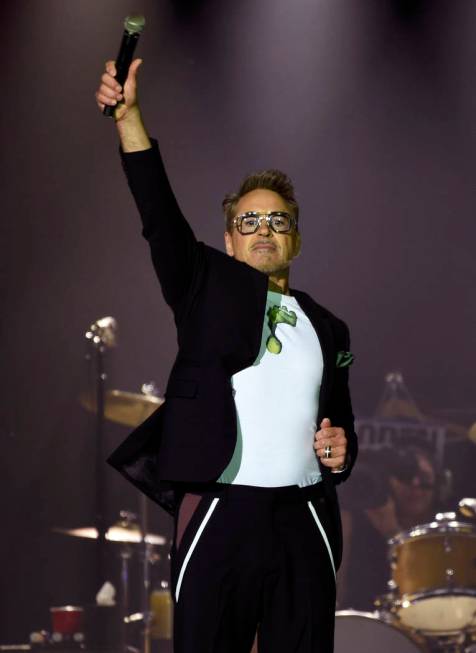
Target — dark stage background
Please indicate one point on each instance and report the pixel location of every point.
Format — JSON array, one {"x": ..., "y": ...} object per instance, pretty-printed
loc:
[{"x": 369, "y": 105}]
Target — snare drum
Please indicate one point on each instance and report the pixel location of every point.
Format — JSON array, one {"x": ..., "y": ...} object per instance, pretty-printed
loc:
[
  {"x": 371, "y": 632},
  {"x": 433, "y": 569}
]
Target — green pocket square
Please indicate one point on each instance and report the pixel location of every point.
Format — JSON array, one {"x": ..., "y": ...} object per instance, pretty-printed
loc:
[{"x": 344, "y": 358}]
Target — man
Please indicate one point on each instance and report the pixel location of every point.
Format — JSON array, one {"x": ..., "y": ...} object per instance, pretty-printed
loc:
[{"x": 234, "y": 454}]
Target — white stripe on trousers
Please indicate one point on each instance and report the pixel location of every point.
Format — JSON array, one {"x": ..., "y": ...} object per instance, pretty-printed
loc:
[
  {"x": 323, "y": 533},
  {"x": 193, "y": 545}
]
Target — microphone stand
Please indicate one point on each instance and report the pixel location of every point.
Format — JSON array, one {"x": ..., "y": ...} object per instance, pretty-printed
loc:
[{"x": 102, "y": 335}]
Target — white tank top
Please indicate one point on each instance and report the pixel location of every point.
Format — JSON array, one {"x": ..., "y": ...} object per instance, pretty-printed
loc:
[{"x": 277, "y": 401}]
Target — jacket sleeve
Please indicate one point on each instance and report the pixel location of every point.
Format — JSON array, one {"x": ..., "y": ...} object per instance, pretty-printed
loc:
[
  {"x": 174, "y": 248},
  {"x": 340, "y": 405}
]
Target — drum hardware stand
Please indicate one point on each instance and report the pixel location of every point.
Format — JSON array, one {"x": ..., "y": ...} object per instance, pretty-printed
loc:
[
  {"x": 452, "y": 644},
  {"x": 146, "y": 560},
  {"x": 149, "y": 388},
  {"x": 102, "y": 336},
  {"x": 125, "y": 555},
  {"x": 127, "y": 520}
]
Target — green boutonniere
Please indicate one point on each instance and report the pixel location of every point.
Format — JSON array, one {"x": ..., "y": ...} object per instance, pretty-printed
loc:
[{"x": 344, "y": 358}]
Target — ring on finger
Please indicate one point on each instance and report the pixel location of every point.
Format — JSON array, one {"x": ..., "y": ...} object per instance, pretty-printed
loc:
[{"x": 328, "y": 451}]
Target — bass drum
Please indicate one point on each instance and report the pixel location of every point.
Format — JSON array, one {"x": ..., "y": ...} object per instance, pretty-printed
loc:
[{"x": 369, "y": 632}]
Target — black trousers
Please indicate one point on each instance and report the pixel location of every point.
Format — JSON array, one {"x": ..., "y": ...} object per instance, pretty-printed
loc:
[{"x": 249, "y": 560}]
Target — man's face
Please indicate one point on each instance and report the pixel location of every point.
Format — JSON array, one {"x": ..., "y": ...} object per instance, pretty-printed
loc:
[
  {"x": 265, "y": 250},
  {"x": 414, "y": 497}
]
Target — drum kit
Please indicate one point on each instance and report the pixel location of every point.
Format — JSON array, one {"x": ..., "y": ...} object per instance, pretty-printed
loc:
[
  {"x": 431, "y": 603},
  {"x": 98, "y": 626},
  {"x": 94, "y": 625},
  {"x": 155, "y": 619}
]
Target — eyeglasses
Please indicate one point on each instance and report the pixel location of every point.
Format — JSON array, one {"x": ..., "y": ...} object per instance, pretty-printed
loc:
[{"x": 249, "y": 222}]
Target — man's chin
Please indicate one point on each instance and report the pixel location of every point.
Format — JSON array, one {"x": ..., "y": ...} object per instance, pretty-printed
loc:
[{"x": 269, "y": 267}]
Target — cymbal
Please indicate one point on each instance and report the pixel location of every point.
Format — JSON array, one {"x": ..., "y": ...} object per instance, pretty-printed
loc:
[
  {"x": 457, "y": 431},
  {"x": 116, "y": 533},
  {"x": 396, "y": 408},
  {"x": 126, "y": 408}
]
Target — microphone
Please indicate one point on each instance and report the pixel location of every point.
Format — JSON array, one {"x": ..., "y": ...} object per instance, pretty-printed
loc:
[{"x": 133, "y": 26}]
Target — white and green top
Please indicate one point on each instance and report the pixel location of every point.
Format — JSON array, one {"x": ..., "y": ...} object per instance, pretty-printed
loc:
[{"x": 277, "y": 401}]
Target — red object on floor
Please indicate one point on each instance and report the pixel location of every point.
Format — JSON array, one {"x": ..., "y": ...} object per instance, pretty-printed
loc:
[{"x": 67, "y": 619}]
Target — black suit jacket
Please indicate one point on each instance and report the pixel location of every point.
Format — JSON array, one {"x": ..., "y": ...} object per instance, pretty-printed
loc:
[{"x": 218, "y": 305}]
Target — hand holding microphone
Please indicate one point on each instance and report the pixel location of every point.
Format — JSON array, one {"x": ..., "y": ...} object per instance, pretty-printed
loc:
[{"x": 117, "y": 93}]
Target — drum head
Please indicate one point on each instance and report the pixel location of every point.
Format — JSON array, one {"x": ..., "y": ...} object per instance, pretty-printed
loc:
[
  {"x": 364, "y": 632},
  {"x": 435, "y": 615}
]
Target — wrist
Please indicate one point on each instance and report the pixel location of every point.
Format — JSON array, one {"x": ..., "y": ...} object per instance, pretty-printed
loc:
[
  {"x": 343, "y": 467},
  {"x": 132, "y": 131},
  {"x": 338, "y": 470}
]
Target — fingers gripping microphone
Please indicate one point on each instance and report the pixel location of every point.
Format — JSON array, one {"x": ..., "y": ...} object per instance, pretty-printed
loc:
[{"x": 133, "y": 26}]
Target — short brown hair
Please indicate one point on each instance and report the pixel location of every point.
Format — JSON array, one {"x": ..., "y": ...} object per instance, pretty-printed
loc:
[{"x": 270, "y": 179}]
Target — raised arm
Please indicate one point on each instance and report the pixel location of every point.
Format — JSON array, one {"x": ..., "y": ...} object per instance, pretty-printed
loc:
[
  {"x": 174, "y": 249},
  {"x": 130, "y": 126}
]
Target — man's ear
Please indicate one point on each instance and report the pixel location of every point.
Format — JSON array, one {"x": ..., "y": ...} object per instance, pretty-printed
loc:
[{"x": 229, "y": 244}]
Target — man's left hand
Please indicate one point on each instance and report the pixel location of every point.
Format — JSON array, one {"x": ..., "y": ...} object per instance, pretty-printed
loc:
[{"x": 332, "y": 439}]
